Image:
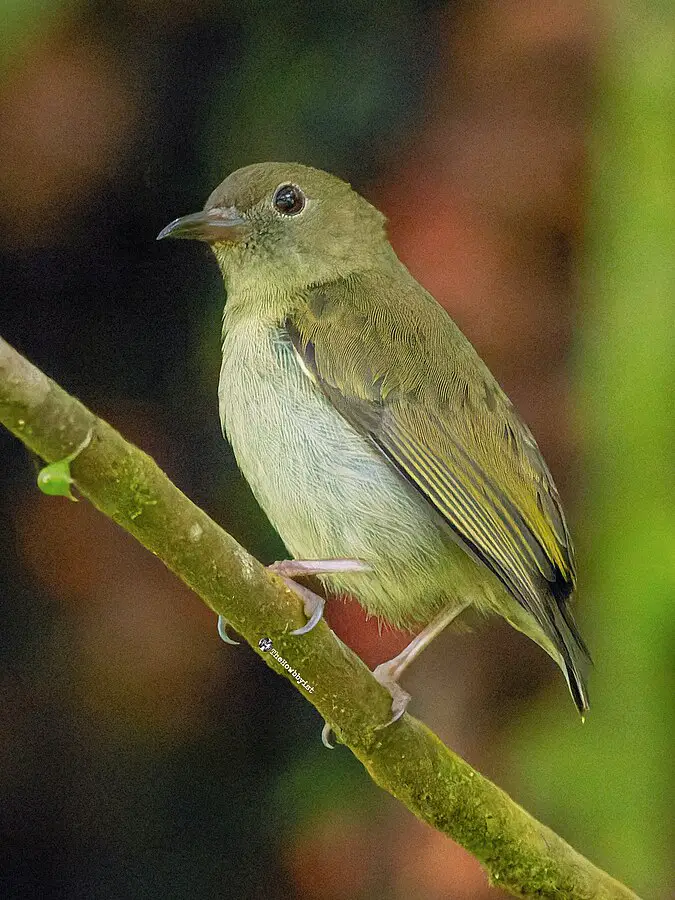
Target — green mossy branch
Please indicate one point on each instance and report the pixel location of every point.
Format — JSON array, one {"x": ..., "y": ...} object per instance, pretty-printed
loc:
[{"x": 406, "y": 759}]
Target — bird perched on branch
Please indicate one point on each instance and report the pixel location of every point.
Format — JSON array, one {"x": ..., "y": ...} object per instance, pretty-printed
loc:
[{"x": 376, "y": 440}]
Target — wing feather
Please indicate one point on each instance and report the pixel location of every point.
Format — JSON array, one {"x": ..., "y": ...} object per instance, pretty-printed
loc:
[{"x": 448, "y": 429}]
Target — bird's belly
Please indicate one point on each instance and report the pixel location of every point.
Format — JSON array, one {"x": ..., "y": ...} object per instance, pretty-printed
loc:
[{"x": 327, "y": 491}]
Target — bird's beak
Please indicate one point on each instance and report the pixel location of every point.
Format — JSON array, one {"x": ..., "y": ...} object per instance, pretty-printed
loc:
[{"x": 217, "y": 225}]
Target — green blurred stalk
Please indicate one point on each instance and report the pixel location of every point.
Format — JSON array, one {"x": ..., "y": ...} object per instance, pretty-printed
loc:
[
  {"x": 628, "y": 380},
  {"x": 609, "y": 781}
]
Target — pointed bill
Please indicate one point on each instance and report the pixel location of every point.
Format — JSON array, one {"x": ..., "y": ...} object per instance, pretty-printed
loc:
[{"x": 214, "y": 226}]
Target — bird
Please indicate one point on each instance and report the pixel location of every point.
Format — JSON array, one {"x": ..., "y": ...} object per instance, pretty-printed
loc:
[{"x": 378, "y": 443}]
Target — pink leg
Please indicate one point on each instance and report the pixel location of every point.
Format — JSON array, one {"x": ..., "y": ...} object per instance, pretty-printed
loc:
[
  {"x": 288, "y": 569},
  {"x": 388, "y": 673}
]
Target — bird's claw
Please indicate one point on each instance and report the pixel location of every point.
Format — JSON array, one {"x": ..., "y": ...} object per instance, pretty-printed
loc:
[
  {"x": 290, "y": 569},
  {"x": 222, "y": 631},
  {"x": 399, "y": 702},
  {"x": 385, "y": 674},
  {"x": 313, "y": 605},
  {"x": 325, "y": 736}
]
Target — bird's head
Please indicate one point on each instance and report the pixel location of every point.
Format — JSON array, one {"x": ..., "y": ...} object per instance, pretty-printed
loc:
[{"x": 286, "y": 224}]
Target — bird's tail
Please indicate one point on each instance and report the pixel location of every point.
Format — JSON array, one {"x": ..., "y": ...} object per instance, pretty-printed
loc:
[
  {"x": 563, "y": 643},
  {"x": 573, "y": 656}
]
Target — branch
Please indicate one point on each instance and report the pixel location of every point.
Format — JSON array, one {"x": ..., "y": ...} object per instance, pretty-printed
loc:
[{"x": 407, "y": 759}]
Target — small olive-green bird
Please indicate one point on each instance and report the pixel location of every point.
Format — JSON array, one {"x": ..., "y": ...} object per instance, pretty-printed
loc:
[{"x": 379, "y": 445}]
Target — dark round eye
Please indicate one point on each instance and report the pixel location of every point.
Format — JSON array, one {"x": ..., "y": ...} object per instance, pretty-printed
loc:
[{"x": 289, "y": 200}]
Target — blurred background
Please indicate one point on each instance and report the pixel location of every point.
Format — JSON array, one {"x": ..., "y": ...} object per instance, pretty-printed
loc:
[{"x": 523, "y": 155}]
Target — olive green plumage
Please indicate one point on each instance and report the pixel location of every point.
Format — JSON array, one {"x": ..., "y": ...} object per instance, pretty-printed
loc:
[{"x": 367, "y": 425}]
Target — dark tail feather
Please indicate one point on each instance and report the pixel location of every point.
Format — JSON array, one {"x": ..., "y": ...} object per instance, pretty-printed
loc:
[
  {"x": 575, "y": 655},
  {"x": 578, "y": 640},
  {"x": 577, "y": 686}
]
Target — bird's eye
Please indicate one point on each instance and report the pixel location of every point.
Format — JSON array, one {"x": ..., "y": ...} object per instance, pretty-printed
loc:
[{"x": 289, "y": 200}]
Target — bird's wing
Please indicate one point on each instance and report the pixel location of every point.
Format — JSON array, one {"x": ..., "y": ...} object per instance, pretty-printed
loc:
[{"x": 401, "y": 373}]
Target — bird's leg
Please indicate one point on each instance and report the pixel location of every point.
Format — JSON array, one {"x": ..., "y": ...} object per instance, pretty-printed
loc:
[
  {"x": 294, "y": 568},
  {"x": 389, "y": 672},
  {"x": 289, "y": 569}
]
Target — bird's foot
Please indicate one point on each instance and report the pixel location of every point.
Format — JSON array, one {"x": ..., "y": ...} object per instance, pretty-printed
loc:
[
  {"x": 313, "y": 605},
  {"x": 222, "y": 631},
  {"x": 388, "y": 673},
  {"x": 289, "y": 569}
]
